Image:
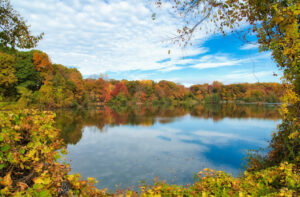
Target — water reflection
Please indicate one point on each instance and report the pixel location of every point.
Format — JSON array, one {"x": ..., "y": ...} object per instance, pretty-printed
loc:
[{"x": 126, "y": 145}]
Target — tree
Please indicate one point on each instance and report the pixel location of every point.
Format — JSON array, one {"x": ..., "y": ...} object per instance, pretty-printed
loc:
[
  {"x": 7, "y": 76},
  {"x": 76, "y": 78},
  {"x": 42, "y": 61},
  {"x": 26, "y": 73},
  {"x": 100, "y": 89},
  {"x": 119, "y": 88},
  {"x": 13, "y": 30}
]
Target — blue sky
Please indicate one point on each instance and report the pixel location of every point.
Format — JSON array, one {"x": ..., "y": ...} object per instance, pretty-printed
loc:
[{"x": 119, "y": 39}]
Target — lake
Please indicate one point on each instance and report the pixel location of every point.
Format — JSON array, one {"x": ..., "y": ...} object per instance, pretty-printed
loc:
[{"x": 126, "y": 146}]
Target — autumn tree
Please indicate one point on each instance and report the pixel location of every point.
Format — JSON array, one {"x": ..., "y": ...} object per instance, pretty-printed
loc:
[
  {"x": 217, "y": 86},
  {"x": 14, "y": 32},
  {"x": 96, "y": 89},
  {"x": 76, "y": 78},
  {"x": 119, "y": 88},
  {"x": 42, "y": 61},
  {"x": 7, "y": 72}
]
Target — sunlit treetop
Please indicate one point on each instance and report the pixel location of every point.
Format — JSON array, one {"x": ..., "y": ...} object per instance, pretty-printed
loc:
[{"x": 14, "y": 32}]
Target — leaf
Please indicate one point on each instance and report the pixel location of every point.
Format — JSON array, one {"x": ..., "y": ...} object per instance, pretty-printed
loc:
[
  {"x": 5, "y": 148},
  {"x": 7, "y": 179},
  {"x": 2, "y": 166},
  {"x": 1, "y": 138},
  {"x": 22, "y": 185},
  {"x": 38, "y": 181},
  {"x": 44, "y": 193}
]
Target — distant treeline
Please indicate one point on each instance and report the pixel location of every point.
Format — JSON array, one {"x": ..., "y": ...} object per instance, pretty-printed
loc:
[
  {"x": 29, "y": 78},
  {"x": 143, "y": 91}
]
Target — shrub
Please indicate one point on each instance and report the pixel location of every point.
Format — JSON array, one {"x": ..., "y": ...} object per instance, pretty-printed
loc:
[{"x": 29, "y": 155}]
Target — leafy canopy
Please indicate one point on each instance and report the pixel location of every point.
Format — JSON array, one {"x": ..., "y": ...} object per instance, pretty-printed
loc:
[{"x": 13, "y": 30}]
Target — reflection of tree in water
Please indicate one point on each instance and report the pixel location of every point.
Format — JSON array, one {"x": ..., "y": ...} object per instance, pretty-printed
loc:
[
  {"x": 72, "y": 122},
  {"x": 218, "y": 112}
]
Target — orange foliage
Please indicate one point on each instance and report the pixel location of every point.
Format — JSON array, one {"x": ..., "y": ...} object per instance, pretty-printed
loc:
[{"x": 41, "y": 61}]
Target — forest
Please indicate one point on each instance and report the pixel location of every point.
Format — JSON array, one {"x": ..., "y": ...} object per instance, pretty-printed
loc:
[{"x": 30, "y": 78}]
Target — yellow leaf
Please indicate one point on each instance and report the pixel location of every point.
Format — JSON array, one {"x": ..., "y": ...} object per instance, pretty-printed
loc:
[
  {"x": 38, "y": 181},
  {"x": 7, "y": 179}
]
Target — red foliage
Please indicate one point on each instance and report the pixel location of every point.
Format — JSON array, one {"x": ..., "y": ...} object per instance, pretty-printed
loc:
[{"x": 119, "y": 87}]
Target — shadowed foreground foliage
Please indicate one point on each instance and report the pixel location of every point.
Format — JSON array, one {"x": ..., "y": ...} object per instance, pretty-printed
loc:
[{"x": 29, "y": 167}]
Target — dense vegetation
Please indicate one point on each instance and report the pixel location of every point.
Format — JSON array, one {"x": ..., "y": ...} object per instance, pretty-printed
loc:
[
  {"x": 30, "y": 78},
  {"x": 29, "y": 158},
  {"x": 29, "y": 142},
  {"x": 147, "y": 91}
]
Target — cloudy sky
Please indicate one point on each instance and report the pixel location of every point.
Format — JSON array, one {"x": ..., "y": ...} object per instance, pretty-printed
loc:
[{"x": 119, "y": 38}]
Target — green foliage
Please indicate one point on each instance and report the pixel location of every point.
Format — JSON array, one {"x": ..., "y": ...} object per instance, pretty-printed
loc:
[
  {"x": 28, "y": 152},
  {"x": 32, "y": 80},
  {"x": 26, "y": 73},
  {"x": 7, "y": 73},
  {"x": 25, "y": 98},
  {"x": 119, "y": 100},
  {"x": 276, "y": 181},
  {"x": 14, "y": 31}
]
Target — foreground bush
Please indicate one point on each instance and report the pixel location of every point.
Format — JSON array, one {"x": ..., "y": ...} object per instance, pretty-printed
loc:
[
  {"x": 29, "y": 158},
  {"x": 29, "y": 166},
  {"x": 282, "y": 180}
]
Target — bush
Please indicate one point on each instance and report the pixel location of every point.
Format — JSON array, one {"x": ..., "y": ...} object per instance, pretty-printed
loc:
[{"x": 29, "y": 157}]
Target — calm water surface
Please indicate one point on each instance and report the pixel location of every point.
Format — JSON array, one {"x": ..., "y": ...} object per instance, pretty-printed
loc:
[{"x": 126, "y": 146}]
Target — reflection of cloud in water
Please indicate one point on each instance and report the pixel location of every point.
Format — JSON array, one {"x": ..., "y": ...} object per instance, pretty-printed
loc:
[
  {"x": 129, "y": 154},
  {"x": 164, "y": 138},
  {"x": 220, "y": 139},
  {"x": 125, "y": 151},
  {"x": 136, "y": 144}
]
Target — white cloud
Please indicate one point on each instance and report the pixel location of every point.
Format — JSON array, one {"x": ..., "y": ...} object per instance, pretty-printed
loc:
[
  {"x": 222, "y": 139},
  {"x": 249, "y": 46},
  {"x": 118, "y": 36},
  {"x": 213, "y": 61},
  {"x": 100, "y": 36}
]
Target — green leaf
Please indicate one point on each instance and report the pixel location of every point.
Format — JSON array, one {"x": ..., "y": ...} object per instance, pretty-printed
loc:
[
  {"x": 44, "y": 193},
  {"x": 5, "y": 148},
  {"x": 2, "y": 166},
  {"x": 22, "y": 151}
]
